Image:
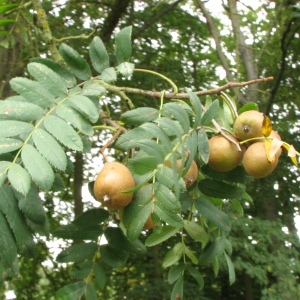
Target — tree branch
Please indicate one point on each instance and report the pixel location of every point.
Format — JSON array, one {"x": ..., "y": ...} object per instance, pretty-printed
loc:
[{"x": 166, "y": 95}]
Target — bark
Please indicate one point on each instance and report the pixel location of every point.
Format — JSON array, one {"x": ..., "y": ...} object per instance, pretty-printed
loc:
[
  {"x": 245, "y": 52},
  {"x": 156, "y": 17},
  {"x": 221, "y": 54},
  {"x": 248, "y": 287},
  {"x": 78, "y": 183},
  {"x": 117, "y": 10}
]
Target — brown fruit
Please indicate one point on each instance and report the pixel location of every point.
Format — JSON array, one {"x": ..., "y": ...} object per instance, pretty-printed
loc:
[
  {"x": 223, "y": 154},
  {"x": 113, "y": 179},
  {"x": 249, "y": 125},
  {"x": 256, "y": 163},
  {"x": 190, "y": 176},
  {"x": 149, "y": 223}
]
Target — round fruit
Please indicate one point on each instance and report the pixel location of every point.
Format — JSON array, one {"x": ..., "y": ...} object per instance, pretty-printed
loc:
[
  {"x": 149, "y": 223},
  {"x": 256, "y": 163},
  {"x": 191, "y": 175},
  {"x": 224, "y": 154},
  {"x": 112, "y": 180},
  {"x": 249, "y": 125}
]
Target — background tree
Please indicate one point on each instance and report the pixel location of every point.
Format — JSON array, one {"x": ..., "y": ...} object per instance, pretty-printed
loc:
[{"x": 187, "y": 42}]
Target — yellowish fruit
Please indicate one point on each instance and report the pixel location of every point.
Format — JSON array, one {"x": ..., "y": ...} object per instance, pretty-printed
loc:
[
  {"x": 191, "y": 175},
  {"x": 224, "y": 155},
  {"x": 113, "y": 179},
  {"x": 256, "y": 163},
  {"x": 249, "y": 125}
]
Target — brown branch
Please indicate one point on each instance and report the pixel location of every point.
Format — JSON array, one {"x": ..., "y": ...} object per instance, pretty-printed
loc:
[{"x": 155, "y": 94}]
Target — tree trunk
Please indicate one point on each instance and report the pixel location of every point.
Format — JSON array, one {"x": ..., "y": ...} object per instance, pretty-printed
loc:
[
  {"x": 248, "y": 287},
  {"x": 78, "y": 183}
]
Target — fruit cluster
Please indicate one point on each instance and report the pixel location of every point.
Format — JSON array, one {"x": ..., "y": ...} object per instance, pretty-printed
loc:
[{"x": 254, "y": 143}]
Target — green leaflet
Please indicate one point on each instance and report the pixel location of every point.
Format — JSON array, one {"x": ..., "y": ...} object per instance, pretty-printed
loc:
[
  {"x": 90, "y": 292},
  {"x": 32, "y": 206},
  {"x": 75, "y": 118},
  {"x": 166, "y": 198},
  {"x": 9, "y": 144},
  {"x": 68, "y": 77},
  {"x": 77, "y": 252},
  {"x": 197, "y": 108},
  {"x": 117, "y": 239},
  {"x": 108, "y": 75},
  {"x": 22, "y": 111},
  {"x": 3, "y": 170},
  {"x": 158, "y": 237},
  {"x": 248, "y": 106},
  {"x": 173, "y": 255},
  {"x": 74, "y": 232},
  {"x": 7, "y": 7},
  {"x": 169, "y": 178},
  {"x": 175, "y": 111},
  {"x": 230, "y": 269},
  {"x": 215, "y": 215},
  {"x": 82, "y": 270},
  {"x": 170, "y": 127},
  {"x": 19, "y": 179},
  {"x": 38, "y": 168},
  {"x": 126, "y": 68},
  {"x": 72, "y": 291},
  {"x": 48, "y": 79},
  {"x": 63, "y": 132},
  {"x": 9, "y": 206},
  {"x": 8, "y": 248},
  {"x": 50, "y": 149},
  {"x": 93, "y": 89},
  {"x": 167, "y": 216},
  {"x": 123, "y": 44},
  {"x": 86, "y": 106},
  {"x": 9, "y": 128},
  {"x": 196, "y": 275},
  {"x": 211, "y": 113},
  {"x": 91, "y": 217},
  {"x": 100, "y": 276},
  {"x": 220, "y": 189},
  {"x": 177, "y": 291},
  {"x": 176, "y": 272},
  {"x": 75, "y": 62},
  {"x": 139, "y": 115},
  {"x": 98, "y": 54},
  {"x": 203, "y": 145},
  {"x": 129, "y": 139},
  {"x": 32, "y": 91},
  {"x": 196, "y": 232},
  {"x": 116, "y": 258},
  {"x": 155, "y": 131}
]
